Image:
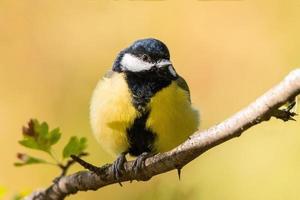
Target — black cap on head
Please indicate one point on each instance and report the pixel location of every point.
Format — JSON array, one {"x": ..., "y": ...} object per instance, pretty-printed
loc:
[{"x": 154, "y": 49}]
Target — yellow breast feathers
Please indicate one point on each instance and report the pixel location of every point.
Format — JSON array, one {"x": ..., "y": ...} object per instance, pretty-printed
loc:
[
  {"x": 171, "y": 117},
  {"x": 111, "y": 113}
]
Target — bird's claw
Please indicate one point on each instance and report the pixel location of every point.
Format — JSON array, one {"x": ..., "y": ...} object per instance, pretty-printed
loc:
[
  {"x": 138, "y": 165},
  {"x": 118, "y": 166}
]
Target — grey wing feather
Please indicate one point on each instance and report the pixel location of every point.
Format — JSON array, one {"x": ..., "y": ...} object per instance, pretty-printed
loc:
[{"x": 183, "y": 85}]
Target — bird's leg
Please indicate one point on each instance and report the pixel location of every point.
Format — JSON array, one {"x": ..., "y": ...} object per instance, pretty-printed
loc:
[
  {"x": 118, "y": 165},
  {"x": 139, "y": 163}
]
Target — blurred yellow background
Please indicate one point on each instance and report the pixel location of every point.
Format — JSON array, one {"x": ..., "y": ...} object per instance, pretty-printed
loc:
[{"x": 53, "y": 52}]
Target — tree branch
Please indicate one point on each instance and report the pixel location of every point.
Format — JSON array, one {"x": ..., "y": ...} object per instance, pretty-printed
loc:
[
  {"x": 64, "y": 168},
  {"x": 262, "y": 109}
]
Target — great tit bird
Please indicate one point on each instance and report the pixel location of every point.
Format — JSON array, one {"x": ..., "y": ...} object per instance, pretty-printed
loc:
[{"x": 142, "y": 106}]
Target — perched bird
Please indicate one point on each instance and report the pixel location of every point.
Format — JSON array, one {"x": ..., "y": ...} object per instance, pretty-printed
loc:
[{"x": 142, "y": 106}]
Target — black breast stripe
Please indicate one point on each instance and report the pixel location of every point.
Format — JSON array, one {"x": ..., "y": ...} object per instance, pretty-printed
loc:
[
  {"x": 143, "y": 85},
  {"x": 139, "y": 137}
]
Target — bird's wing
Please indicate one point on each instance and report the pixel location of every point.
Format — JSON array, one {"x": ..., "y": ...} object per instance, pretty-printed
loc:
[{"x": 183, "y": 85}]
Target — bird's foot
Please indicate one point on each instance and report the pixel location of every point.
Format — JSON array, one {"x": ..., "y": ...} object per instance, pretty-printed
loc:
[
  {"x": 138, "y": 165},
  {"x": 118, "y": 166}
]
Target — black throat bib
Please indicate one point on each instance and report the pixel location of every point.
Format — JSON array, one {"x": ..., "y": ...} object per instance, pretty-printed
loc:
[{"x": 143, "y": 85}]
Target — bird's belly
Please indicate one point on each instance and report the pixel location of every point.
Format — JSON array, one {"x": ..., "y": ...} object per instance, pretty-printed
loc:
[
  {"x": 172, "y": 118},
  {"x": 111, "y": 113}
]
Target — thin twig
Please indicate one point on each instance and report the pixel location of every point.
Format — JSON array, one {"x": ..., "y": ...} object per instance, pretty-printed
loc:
[{"x": 66, "y": 166}]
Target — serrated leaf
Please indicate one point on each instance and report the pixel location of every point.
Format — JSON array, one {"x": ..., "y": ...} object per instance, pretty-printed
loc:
[
  {"x": 75, "y": 146},
  {"x": 33, "y": 144},
  {"x": 28, "y": 160},
  {"x": 43, "y": 134},
  {"x": 54, "y": 136},
  {"x": 29, "y": 143},
  {"x": 37, "y": 136}
]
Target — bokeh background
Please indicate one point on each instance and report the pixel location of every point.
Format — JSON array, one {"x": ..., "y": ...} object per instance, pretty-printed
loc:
[{"x": 53, "y": 52}]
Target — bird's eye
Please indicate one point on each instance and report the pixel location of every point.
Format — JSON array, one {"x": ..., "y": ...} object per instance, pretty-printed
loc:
[{"x": 146, "y": 58}]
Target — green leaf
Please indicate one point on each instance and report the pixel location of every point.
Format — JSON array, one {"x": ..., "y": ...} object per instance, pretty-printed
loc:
[
  {"x": 29, "y": 143},
  {"x": 37, "y": 136},
  {"x": 28, "y": 160},
  {"x": 75, "y": 146},
  {"x": 54, "y": 136},
  {"x": 42, "y": 129},
  {"x": 33, "y": 144}
]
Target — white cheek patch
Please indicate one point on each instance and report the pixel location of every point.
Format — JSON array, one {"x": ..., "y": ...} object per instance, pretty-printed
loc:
[{"x": 134, "y": 64}]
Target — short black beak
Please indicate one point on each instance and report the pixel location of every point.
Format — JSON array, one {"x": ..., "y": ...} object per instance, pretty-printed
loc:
[{"x": 164, "y": 71}]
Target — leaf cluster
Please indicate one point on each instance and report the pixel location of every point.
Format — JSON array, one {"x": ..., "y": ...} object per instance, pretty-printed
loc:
[{"x": 38, "y": 136}]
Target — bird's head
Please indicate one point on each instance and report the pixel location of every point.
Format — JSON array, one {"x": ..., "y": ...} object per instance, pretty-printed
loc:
[{"x": 146, "y": 56}]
